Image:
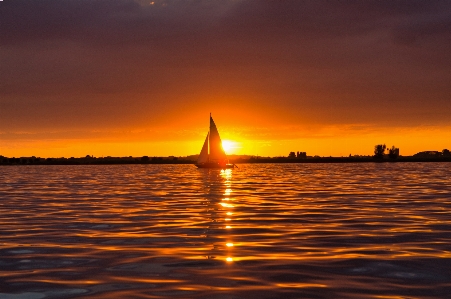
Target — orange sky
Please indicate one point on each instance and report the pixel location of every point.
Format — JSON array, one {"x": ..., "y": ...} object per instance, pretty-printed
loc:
[{"x": 120, "y": 78}]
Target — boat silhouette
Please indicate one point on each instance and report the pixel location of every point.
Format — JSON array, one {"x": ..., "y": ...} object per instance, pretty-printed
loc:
[{"x": 212, "y": 154}]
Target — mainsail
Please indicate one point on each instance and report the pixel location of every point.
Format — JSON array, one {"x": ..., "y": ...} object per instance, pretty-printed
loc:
[
  {"x": 216, "y": 151},
  {"x": 203, "y": 156}
]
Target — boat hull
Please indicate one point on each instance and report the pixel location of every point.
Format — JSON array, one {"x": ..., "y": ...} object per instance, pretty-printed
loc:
[{"x": 215, "y": 165}]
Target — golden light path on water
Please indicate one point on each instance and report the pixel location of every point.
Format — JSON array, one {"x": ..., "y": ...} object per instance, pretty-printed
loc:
[{"x": 262, "y": 230}]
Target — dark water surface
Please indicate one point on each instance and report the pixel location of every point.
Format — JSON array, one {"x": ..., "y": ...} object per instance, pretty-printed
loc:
[{"x": 260, "y": 231}]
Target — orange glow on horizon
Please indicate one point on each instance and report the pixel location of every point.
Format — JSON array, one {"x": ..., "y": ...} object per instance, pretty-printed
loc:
[{"x": 277, "y": 141}]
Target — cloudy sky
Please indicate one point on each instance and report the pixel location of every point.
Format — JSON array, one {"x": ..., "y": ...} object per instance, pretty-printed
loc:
[{"x": 123, "y": 77}]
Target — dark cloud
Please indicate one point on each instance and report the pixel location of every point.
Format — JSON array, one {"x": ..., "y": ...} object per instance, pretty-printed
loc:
[
  {"x": 82, "y": 61},
  {"x": 125, "y": 22}
]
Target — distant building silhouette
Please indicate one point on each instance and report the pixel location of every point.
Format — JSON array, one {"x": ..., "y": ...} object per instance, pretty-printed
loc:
[{"x": 301, "y": 155}]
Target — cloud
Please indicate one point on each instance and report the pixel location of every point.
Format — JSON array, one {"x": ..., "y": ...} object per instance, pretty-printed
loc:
[{"x": 125, "y": 23}]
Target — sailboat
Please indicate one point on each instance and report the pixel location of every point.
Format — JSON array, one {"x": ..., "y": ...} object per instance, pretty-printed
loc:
[{"x": 212, "y": 154}]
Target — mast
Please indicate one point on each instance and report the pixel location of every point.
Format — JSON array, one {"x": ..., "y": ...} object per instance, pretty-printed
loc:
[{"x": 209, "y": 143}]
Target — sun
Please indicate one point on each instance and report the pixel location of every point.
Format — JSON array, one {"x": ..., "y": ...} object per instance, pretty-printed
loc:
[{"x": 229, "y": 146}]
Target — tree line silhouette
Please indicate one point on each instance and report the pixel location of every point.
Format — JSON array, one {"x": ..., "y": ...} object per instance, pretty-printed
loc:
[{"x": 379, "y": 151}]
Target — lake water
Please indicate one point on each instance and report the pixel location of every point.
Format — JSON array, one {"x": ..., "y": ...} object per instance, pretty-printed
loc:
[{"x": 369, "y": 230}]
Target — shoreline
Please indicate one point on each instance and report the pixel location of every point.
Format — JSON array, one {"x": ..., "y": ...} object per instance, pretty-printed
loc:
[{"x": 4, "y": 161}]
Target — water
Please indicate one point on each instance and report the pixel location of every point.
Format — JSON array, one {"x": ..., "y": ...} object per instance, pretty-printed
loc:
[{"x": 261, "y": 231}]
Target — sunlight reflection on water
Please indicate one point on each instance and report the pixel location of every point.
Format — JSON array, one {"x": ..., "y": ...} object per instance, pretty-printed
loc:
[{"x": 267, "y": 230}]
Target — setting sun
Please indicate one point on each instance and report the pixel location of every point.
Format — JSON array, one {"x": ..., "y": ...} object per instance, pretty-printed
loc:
[{"x": 229, "y": 146}]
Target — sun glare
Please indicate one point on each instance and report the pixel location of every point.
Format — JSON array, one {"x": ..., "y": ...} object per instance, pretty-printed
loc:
[{"x": 229, "y": 146}]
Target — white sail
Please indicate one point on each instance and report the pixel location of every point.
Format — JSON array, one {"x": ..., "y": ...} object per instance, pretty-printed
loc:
[
  {"x": 216, "y": 151},
  {"x": 203, "y": 156}
]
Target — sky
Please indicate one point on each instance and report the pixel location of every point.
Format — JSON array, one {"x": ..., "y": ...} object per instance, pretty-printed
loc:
[{"x": 134, "y": 78}]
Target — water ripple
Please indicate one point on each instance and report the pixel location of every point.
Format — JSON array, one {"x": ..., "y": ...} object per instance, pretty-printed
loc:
[{"x": 365, "y": 230}]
